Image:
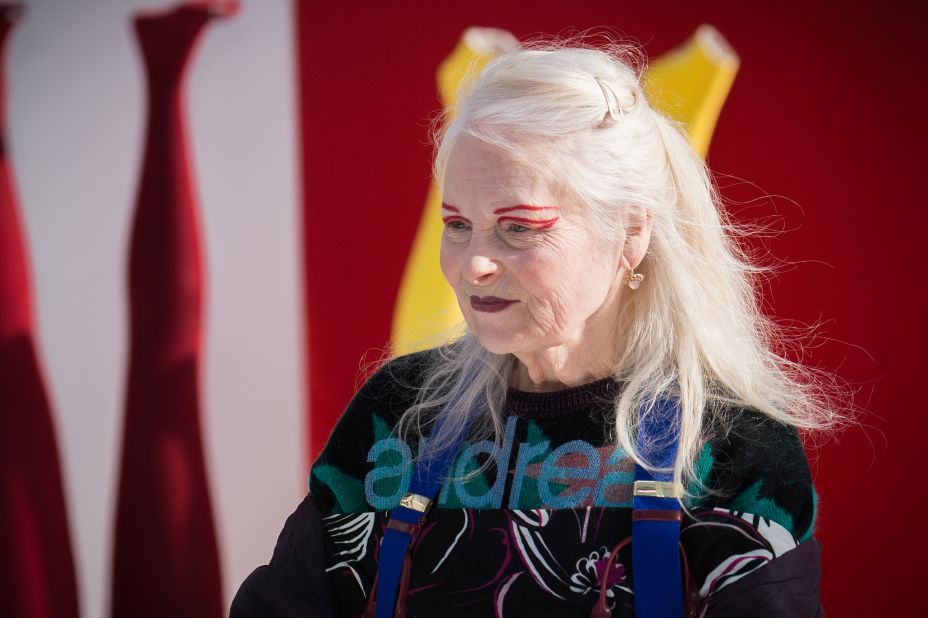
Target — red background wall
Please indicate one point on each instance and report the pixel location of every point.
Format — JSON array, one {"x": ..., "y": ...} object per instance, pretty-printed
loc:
[{"x": 827, "y": 113}]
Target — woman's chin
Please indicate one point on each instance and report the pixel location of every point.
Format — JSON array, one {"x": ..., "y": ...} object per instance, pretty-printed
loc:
[{"x": 497, "y": 343}]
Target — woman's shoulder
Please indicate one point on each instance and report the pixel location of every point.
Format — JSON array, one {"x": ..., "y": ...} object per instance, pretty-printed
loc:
[
  {"x": 293, "y": 583},
  {"x": 398, "y": 379},
  {"x": 365, "y": 432},
  {"x": 390, "y": 389},
  {"x": 754, "y": 464}
]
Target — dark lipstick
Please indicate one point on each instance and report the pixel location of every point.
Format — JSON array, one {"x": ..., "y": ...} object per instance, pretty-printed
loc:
[{"x": 490, "y": 304}]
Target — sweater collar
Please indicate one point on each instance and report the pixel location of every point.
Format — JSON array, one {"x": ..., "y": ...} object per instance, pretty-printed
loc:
[{"x": 562, "y": 402}]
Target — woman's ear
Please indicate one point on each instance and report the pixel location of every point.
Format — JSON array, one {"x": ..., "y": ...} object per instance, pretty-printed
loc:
[{"x": 637, "y": 237}]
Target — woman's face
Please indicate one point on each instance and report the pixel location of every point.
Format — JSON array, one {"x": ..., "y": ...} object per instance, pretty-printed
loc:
[{"x": 528, "y": 271}]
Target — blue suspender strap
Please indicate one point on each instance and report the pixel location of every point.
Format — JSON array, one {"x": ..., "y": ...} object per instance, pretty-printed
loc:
[
  {"x": 404, "y": 524},
  {"x": 406, "y": 519},
  {"x": 656, "y": 517}
]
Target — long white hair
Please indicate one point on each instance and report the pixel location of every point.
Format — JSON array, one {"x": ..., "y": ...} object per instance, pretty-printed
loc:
[{"x": 694, "y": 330}]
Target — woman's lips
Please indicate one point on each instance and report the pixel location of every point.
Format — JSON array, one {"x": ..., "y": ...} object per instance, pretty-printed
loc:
[{"x": 490, "y": 304}]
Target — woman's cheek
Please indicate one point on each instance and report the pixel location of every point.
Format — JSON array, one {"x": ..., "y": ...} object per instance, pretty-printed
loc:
[
  {"x": 536, "y": 273},
  {"x": 546, "y": 304},
  {"x": 446, "y": 262}
]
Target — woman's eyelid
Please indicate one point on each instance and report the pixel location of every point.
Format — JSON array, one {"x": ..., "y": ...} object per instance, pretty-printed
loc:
[
  {"x": 531, "y": 223},
  {"x": 509, "y": 223},
  {"x": 447, "y": 219}
]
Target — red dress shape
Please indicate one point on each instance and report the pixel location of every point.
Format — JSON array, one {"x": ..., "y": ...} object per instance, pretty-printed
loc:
[
  {"x": 36, "y": 562},
  {"x": 166, "y": 560}
]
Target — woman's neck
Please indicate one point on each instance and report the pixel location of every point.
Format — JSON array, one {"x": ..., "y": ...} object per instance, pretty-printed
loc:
[{"x": 588, "y": 357}]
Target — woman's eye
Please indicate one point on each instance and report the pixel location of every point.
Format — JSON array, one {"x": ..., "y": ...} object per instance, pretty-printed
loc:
[
  {"x": 456, "y": 225},
  {"x": 521, "y": 226}
]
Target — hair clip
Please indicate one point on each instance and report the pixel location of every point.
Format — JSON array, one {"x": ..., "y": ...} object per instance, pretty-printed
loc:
[{"x": 612, "y": 101}]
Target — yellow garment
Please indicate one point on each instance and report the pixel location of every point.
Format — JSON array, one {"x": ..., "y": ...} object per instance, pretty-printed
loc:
[{"x": 688, "y": 84}]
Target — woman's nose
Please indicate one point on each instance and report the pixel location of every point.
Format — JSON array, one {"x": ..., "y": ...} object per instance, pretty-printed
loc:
[
  {"x": 481, "y": 263},
  {"x": 480, "y": 268}
]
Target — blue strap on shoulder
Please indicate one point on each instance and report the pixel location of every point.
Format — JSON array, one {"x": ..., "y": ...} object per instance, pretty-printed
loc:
[
  {"x": 405, "y": 519},
  {"x": 656, "y": 517}
]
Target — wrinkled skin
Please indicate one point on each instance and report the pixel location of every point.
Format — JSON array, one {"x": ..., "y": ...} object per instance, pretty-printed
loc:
[{"x": 565, "y": 279}]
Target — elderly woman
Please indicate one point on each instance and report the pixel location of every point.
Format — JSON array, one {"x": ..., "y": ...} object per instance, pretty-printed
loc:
[{"x": 613, "y": 434}]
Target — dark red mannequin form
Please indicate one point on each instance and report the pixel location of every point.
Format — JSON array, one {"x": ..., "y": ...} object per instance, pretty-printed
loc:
[
  {"x": 166, "y": 560},
  {"x": 36, "y": 563}
]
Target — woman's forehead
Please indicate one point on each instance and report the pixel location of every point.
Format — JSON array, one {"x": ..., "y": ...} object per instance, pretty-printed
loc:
[
  {"x": 504, "y": 183},
  {"x": 496, "y": 192},
  {"x": 490, "y": 175},
  {"x": 495, "y": 172}
]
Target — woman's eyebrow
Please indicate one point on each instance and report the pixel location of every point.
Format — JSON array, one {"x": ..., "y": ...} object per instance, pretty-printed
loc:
[
  {"x": 500, "y": 211},
  {"x": 449, "y": 207}
]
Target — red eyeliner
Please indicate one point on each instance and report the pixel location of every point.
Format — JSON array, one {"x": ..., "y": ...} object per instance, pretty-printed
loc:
[
  {"x": 500, "y": 211},
  {"x": 535, "y": 224},
  {"x": 453, "y": 218}
]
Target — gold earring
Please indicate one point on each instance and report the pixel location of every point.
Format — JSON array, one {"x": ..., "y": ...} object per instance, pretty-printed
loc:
[{"x": 633, "y": 280}]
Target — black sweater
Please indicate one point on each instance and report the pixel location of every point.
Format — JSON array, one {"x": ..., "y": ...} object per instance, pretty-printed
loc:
[{"x": 528, "y": 536}]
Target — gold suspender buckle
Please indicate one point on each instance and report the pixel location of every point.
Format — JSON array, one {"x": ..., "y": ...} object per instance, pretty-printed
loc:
[
  {"x": 659, "y": 489},
  {"x": 416, "y": 502}
]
